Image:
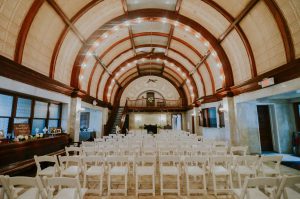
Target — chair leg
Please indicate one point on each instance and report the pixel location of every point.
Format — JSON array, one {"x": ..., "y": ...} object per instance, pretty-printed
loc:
[
  {"x": 214, "y": 184},
  {"x": 108, "y": 185},
  {"x": 136, "y": 185},
  {"x": 161, "y": 185},
  {"x": 204, "y": 184},
  {"x": 153, "y": 184},
  {"x": 187, "y": 185},
  {"x": 84, "y": 180},
  {"x": 230, "y": 181},
  {"x": 126, "y": 184},
  {"x": 178, "y": 184},
  {"x": 240, "y": 180},
  {"x": 101, "y": 185}
]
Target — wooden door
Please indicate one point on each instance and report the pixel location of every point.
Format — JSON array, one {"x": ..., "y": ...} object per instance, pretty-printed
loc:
[
  {"x": 193, "y": 125},
  {"x": 150, "y": 99},
  {"x": 265, "y": 129}
]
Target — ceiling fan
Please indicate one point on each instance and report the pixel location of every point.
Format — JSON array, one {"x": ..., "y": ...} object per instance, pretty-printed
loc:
[
  {"x": 148, "y": 54},
  {"x": 152, "y": 80}
]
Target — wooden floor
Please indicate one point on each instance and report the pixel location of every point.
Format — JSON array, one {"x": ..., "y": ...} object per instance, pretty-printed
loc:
[{"x": 170, "y": 182}]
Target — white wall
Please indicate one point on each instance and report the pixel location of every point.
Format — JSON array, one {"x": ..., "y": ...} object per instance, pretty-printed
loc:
[{"x": 140, "y": 85}]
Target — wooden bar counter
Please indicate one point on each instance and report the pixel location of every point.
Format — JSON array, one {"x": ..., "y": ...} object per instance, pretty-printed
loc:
[{"x": 16, "y": 156}]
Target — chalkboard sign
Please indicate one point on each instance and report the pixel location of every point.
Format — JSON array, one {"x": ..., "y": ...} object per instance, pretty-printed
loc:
[{"x": 21, "y": 129}]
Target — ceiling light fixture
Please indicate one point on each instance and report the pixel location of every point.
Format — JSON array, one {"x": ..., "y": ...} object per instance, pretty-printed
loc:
[{"x": 83, "y": 65}]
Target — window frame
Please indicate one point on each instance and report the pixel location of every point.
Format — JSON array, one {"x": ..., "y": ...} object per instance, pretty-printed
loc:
[{"x": 33, "y": 99}]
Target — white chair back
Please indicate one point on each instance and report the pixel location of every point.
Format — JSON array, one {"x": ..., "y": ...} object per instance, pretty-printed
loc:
[
  {"x": 73, "y": 151},
  {"x": 46, "y": 159},
  {"x": 33, "y": 187},
  {"x": 73, "y": 183},
  {"x": 289, "y": 187}
]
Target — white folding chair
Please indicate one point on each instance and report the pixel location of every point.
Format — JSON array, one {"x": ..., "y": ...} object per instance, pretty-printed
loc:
[
  {"x": 253, "y": 188},
  {"x": 220, "y": 167},
  {"x": 270, "y": 165},
  {"x": 64, "y": 188},
  {"x": 169, "y": 165},
  {"x": 70, "y": 166},
  {"x": 93, "y": 167},
  {"x": 219, "y": 150},
  {"x": 3, "y": 187},
  {"x": 145, "y": 166},
  {"x": 25, "y": 188},
  {"x": 289, "y": 188},
  {"x": 245, "y": 166},
  {"x": 195, "y": 166},
  {"x": 238, "y": 150},
  {"x": 88, "y": 144},
  {"x": 117, "y": 166},
  {"x": 73, "y": 151},
  {"x": 50, "y": 171},
  {"x": 88, "y": 150}
]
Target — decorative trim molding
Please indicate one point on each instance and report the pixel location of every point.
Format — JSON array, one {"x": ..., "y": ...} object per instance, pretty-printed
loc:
[{"x": 12, "y": 70}]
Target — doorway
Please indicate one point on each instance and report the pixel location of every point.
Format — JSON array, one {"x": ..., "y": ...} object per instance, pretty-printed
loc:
[
  {"x": 265, "y": 128},
  {"x": 176, "y": 122}
]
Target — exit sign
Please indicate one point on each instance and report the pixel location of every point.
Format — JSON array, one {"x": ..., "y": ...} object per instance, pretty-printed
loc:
[{"x": 267, "y": 82}]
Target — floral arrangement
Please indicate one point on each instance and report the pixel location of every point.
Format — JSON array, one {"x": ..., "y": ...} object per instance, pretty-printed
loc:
[{"x": 29, "y": 137}]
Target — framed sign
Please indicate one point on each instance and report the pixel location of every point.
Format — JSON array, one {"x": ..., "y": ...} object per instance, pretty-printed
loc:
[{"x": 21, "y": 129}]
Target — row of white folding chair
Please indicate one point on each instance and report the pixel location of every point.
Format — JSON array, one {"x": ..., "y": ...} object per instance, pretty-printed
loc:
[
  {"x": 32, "y": 188},
  {"x": 286, "y": 187}
]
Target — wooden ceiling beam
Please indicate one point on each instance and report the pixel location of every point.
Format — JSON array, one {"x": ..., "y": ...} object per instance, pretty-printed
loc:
[
  {"x": 237, "y": 20},
  {"x": 283, "y": 28},
  {"x": 24, "y": 30},
  {"x": 71, "y": 25}
]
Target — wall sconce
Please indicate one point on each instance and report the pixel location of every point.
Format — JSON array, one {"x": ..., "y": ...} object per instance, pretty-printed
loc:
[
  {"x": 95, "y": 102},
  {"x": 221, "y": 109}
]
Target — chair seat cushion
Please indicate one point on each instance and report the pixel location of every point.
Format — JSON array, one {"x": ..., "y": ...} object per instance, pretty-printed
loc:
[
  {"x": 252, "y": 193},
  {"x": 71, "y": 171},
  {"x": 169, "y": 170},
  {"x": 119, "y": 170},
  {"x": 220, "y": 170},
  {"x": 95, "y": 170},
  {"x": 244, "y": 170},
  {"x": 194, "y": 170},
  {"x": 68, "y": 193},
  {"x": 49, "y": 171},
  {"x": 268, "y": 170},
  {"x": 145, "y": 170},
  {"x": 29, "y": 194}
]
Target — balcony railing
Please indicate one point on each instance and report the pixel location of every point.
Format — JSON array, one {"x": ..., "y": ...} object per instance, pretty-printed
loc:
[{"x": 154, "y": 103}]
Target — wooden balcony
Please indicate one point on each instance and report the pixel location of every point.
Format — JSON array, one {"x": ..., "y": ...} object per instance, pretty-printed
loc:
[{"x": 155, "y": 104}]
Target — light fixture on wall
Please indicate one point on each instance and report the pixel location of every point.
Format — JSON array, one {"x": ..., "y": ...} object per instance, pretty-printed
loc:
[
  {"x": 221, "y": 109},
  {"x": 95, "y": 102}
]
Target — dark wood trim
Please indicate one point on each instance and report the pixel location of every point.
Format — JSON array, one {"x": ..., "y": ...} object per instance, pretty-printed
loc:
[
  {"x": 31, "y": 114},
  {"x": 22, "y": 36},
  {"x": 283, "y": 28},
  {"x": 63, "y": 34},
  {"x": 236, "y": 21},
  {"x": 297, "y": 116},
  {"x": 158, "y": 13},
  {"x": 281, "y": 74},
  {"x": 20, "y": 73},
  {"x": 157, "y": 55},
  {"x": 13, "y": 114},
  {"x": 77, "y": 68}
]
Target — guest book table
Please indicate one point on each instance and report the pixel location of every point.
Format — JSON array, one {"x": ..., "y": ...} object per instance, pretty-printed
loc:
[{"x": 16, "y": 156}]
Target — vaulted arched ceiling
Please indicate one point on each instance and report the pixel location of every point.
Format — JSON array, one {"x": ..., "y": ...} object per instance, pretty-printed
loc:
[{"x": 204, "y": 47}]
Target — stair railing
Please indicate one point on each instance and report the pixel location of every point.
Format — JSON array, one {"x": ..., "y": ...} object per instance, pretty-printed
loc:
[{"x": 123, "y": 118}]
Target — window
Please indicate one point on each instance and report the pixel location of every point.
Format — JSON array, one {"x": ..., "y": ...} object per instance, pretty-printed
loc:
[
  {"x": 6, "y": 102},
  {"x": 23, "y": 108},
  {"x": 54, "y": 116},
  {"x": 209, "y": 117},
  {"x": 38, "y": 124},
  {"x": 27, "y": 110}
]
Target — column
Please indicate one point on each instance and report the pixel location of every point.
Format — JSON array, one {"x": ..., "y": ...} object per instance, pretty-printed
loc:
[
  {"x": 230, "y": 123},
  {"x": 74, "y": 119},
  {"x": 104, "y": 120}
]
